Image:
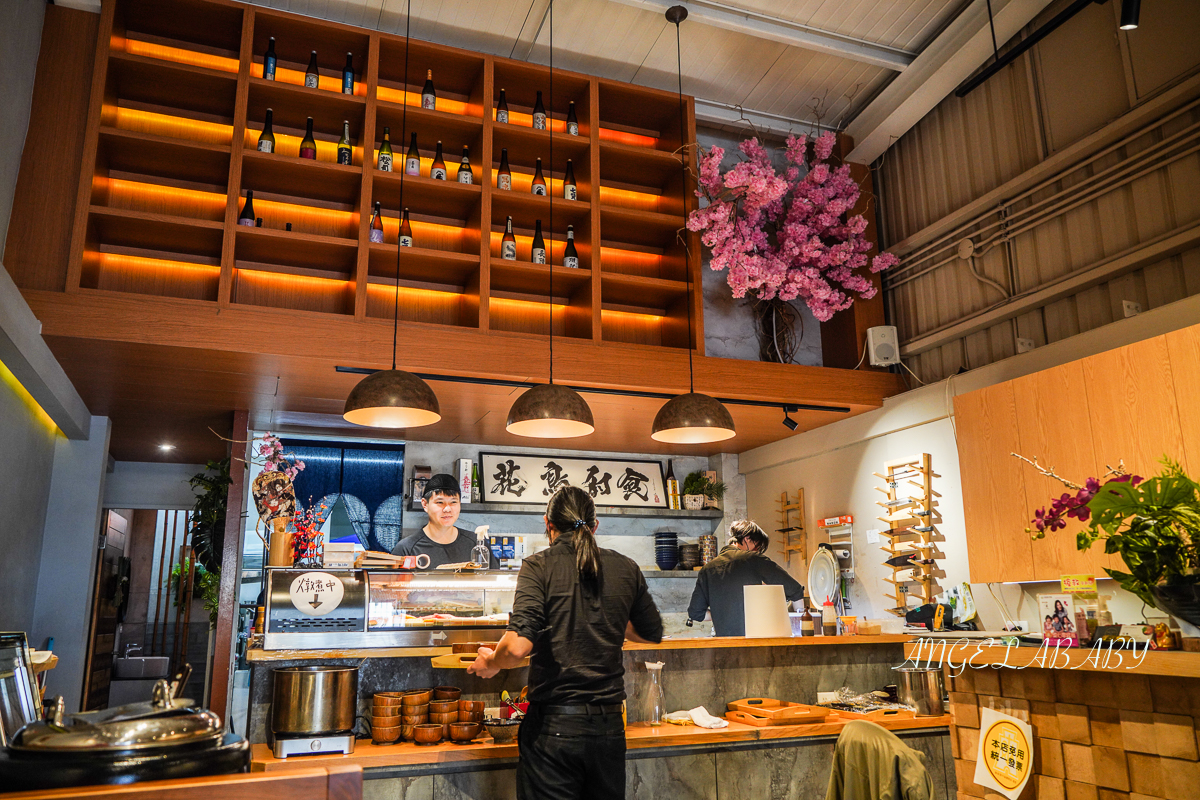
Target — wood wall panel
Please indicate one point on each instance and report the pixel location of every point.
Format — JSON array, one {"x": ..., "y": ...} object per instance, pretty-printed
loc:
[
  {"x": 998, "y": 549},
  {"x": 1050, "y": 405},
  {"x": 1184, "y": 350}
]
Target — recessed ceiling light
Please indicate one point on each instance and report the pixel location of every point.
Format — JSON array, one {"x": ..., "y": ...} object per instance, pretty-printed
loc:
[{"x": 166, "y": 447}]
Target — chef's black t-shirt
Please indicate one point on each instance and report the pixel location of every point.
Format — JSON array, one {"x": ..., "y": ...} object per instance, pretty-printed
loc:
[{"x": 456, "y": 552}]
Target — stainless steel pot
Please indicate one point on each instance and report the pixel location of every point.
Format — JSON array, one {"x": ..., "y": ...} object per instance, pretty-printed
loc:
[
  {"x": 922, "y": 688},
  {"x": 314, "y": 700}
]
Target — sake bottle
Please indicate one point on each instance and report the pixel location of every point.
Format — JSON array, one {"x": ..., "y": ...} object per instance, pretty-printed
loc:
[
  {"x": 266, "y": 139},
  {"x": 311, "y": 77},
  {"x": 345, "y": 151},
  {"x": 570, "y": 190},
  {"x": 508, "y": 245},
  {"x": 308, "y": 147},
  {"x": 376, "y": 226},
  {"x": 539, "y": 182},
  {"x": 504, "y": 176},
  {"x": 571, "y": 259},
  {"x": 437, "y": 170},
  {"x": 428, "y": 95},
  {"x": 412, "y": 161},
  {"x": 538, "y": 253},
  {"x": 502, "y": 108},
  {"x": 539, "y": 112},
  {"x": 348, "y": 75},
  {"x": 465, "y": 175},
  {"x": 572, "y": 120},
  {"x": 385, "y": 151},
  {"x": 406, "y": 234},
  {"x": 269, "y": 60},
  {"x": 247, "y": 215}
]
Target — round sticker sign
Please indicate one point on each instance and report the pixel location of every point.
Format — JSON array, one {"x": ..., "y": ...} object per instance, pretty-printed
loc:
[
  {"x": 316, "y": 593},
  {"x": 1006, "y": 753}
]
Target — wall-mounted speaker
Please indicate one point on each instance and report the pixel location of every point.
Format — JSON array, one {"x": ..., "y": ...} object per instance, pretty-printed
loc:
[{"x": 883, "y": 348}]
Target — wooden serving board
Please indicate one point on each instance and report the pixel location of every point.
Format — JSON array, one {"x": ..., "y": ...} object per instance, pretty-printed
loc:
[
  {"x": 876, "y": 715},
  {"x": 775, "y": 712},
  {"x": 462, "y": 661}
]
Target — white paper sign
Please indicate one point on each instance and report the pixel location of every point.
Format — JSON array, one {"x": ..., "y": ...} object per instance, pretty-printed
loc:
[
  {"x": 1005, "y": 756},
  {"x": 316, "y": 593}
]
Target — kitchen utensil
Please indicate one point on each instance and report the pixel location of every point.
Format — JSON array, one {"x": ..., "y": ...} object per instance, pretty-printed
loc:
[
  {"x": 418, "y": 697},
  {"x": 776, "y": 712},
  {"x": 406, "y": 730},
  {"x": 874, "y": 715},
  {"x": 502, "y": 731},
  {"x": 462, "y": 661},
  {"x": 447, "y": 693},
  {"x": 822, "y": 576},
  {"x": 922, "y": 688},
  {"x": 314, "y": 700},
  {"x": 427, "y": 734},
  {"x": 20, "y": 700},
  {"x": 464, "y": 732}
]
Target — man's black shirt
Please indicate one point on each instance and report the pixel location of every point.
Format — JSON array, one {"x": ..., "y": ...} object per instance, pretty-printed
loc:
[
  {"x": 719, "y": 587},
  {"x": 578, "y": 628},
  {"x": 456, "y": 552}
]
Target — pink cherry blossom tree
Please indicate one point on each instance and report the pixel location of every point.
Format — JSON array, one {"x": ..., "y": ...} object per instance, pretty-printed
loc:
[{"x": 787, "y": 236}]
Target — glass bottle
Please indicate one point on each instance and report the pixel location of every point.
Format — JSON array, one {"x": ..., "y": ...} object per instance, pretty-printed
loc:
[
  {"x": 269, "y": 61},
  {"x": 385, "y": 151},
  {"x": 308, "y": 146},
  {"x": 539, "y": 114},
  {"x": 570, "y": 188},
  {"x": 502, "y": 108},
  {"x": 348, "y": 75},
  {"x": 571, "y": 259},
  {"x": 345, "y": 152},
  {"x": 376, "y": 226},
  {"x": 247, "y": 215},
  {"x": 508, "y": 245},
  {"x": 465, "y": 175},
  {"x": 412, "y": 162},
  {"x": 572, "y": 120},
  {"x": 311, "y": 76},
  {"x": 504, "y": 175},
  {"x": 406, "y": 235},
  {"x": 537, "y": 253},
  {"x": 428, "y": 95},
  {"x": 266, "y": 139},
  {"x": 539, "y": 181},
  {"x": 654, "y": 703},
  {"x": 437, "y": 170}
]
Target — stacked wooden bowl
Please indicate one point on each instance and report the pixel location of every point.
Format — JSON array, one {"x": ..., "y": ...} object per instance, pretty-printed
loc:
[
  {"x": 415, "y": 708},
  {"x": 385, "y": 717}
]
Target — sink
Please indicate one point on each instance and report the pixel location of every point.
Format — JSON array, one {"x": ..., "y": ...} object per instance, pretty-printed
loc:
[{"x": 141, "y": 667}]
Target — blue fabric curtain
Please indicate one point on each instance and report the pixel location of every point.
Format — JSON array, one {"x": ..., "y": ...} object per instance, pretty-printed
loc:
[{"x": 369, "y": 479}]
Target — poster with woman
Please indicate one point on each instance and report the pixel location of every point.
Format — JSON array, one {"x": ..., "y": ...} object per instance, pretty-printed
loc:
[{"x": 1057, "y": 613}]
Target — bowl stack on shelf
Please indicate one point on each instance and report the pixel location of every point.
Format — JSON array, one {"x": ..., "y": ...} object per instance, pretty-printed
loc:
[
  {"x": 689, "y": 556},
  {"x": 708, "y": 548},
  {"x": 385, "y": 717},
  {"x": 666, "y": 549}
]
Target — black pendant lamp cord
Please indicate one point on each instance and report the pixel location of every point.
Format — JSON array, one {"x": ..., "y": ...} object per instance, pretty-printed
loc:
[
  {"x": 683, "y": 161},
  {"x": 550, "y": 193},
  {"x": 400, "y": 222},
  {"x": 992, "y": 24}
]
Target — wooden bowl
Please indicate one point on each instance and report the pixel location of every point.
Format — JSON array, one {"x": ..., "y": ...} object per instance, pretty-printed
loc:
[
  {"x": 385, "y": 735},
  {"x": 427, "y": 734},
  {"x": 442, "y": 706},
  {"x": 406, "y": 732},
  {"x": 446, "y": 693},
  {"x": 420, "y": 697},
  {"x": 383, "y": 699},
  {"x": 380, "y": 721},
  {"x": 414, "y": 711},
  {"x": 474, "y": 706},
  {"x": 414, "y": 719},
  {"x": 464, "y": 732},
  {"x": 442, "y": 719},
  {"x": 468, "y": 647},
  {"x": 470, "y": 716}
]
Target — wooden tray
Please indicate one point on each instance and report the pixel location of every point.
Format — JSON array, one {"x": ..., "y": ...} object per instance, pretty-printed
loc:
[
  {"x": 775, "y": 712},
  {"x": 462, "y": 661},
  {"x": 876, "y": 715}
]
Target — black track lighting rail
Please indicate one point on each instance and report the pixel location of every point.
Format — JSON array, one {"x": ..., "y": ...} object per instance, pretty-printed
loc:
[{"x": 787, "y": 408}]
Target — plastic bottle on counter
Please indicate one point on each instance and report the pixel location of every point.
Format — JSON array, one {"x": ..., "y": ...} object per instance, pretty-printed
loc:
[
  {"x": 807, "y": 627},
  {"x": 829, "y": 619}
]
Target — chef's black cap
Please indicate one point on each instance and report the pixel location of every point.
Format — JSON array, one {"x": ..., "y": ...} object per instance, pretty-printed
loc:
[{"x": 441, "y": 484}]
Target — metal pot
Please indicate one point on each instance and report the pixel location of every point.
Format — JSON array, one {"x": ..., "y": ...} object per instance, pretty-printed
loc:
[
  {"x": 314, "y": 700},
  {"x": 923, "y": 688}
]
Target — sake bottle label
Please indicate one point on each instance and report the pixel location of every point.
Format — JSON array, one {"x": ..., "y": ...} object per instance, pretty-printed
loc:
[
  {"x": 348, "y": 83},
  {"x": 504, "y": 182},
  {"x": 406, "y": 241},
  {"x": 412, "y": 166},
  {"x": 539, "y": 122},
  {"x": 438, "y": 173},
  {"x": 464, "y": 176},
  {"x": 266, "y": 146},
  {"x": 570, "y": 192},
  {"x": 376, "y": 236},
  {"x": 428, "y": 101},
  {"x": 310, "y": 81},
  {"x": 308, "y": 152},
  {"x": 344, "y": 155},
  {"x": 508, "y": 251},
  {"x": 539, "y": 256},
  {"x": 571, "y": 261},
  {"x": 385, "y": 162},
  {"x": 539, "y": 189},
  {"x": 501, "y": 116},
  {"x": 269, "y": 68},
  {"x": 248, "y": 221},
  {"x": 573, "y": 128}
]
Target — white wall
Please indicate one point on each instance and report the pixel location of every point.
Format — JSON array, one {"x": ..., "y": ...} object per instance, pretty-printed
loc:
[
  {"x": 147, "y": 484},
  {"x": 834, "y": 464}
]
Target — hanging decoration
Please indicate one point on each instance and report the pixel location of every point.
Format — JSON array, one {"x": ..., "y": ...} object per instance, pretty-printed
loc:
[{"x": 787, "y": 236}]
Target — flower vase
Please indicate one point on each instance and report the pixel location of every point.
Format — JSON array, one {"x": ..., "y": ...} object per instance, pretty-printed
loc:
[
  {"x": 693, "y": 502},
  {"x": 279, "y": 551}
]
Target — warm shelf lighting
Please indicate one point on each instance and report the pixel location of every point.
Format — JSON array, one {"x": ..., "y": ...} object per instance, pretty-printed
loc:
[
  {"x": 139, "y": 196},
  {"x": 136, "y": 47},
  {"x": 288, "y": 145},
  {"x": 326, "y": 83},
  {"x": 413, "y": 99},
  {"x": 413, "y": 292},
  {"x": 629, "y": 316},
  {"x": 307, "y": 219},
  {"x": 130, "y": 119},
  {"x": 626, "y": 198},
  {"x": 522, "y": 182},
  {"x": 148, "y": 266},
  {"x": 297, "y": 281},
  {"x": 526, "y": 306},
  {"x": 621, "y": 137}
]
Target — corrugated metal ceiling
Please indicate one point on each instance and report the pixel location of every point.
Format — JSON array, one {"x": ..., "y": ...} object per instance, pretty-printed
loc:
[{"x": 619, "y": 41}]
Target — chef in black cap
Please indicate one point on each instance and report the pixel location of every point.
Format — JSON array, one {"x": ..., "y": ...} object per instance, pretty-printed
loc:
[{"x": 439, "y": 539}]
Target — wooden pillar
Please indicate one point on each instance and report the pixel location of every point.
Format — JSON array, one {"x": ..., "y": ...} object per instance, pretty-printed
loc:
[
  {"x": 231, "y": 572},
  {"x": 843, "y": 337}
]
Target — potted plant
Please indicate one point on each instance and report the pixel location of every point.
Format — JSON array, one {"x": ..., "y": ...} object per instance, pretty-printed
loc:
[
  {"x": 700, "y": 492},
  {"x": 1153, "y": 524}
]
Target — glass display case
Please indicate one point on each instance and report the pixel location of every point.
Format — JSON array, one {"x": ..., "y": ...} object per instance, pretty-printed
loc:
[{"x": 405, "y": 600}]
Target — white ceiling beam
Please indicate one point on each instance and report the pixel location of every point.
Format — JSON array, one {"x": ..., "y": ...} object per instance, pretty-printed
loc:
[
  {"x": 948, "y": 61},
  {"x": 81, "y": 5},
  {"x": 727, "y": 115},
  {"x": 762, "y": 26}
]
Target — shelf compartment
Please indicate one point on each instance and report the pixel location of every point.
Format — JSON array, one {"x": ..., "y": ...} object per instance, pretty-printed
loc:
[
  {"x": 287, "y": 145},
  {"x": 292, "y": 105},
  {"x": 298, "y": 177},
  {"x": 526, "y": 145},
  {"x": 521, "y": 81},
  {"x": 625, "y": 137},
  {"x": 143, "y": 231},
  {"x": 178, "y": 55},
  {"x": 306, "y": 219},
  {"x": 113, "y": 193},
  {"x": 638, "y": 200},
  {"x": 170, "y": 126},
  {"x": 653, "y": 330},
  {"x": 640, "y": 227},
  {"x": 533, "y": 317},
  {"x": 438, "y": 268},
  {"x": 432, "y": 233},
  {"x": 525, "y": 277},
  {"x": 191, "y": 23},
  {"x": 296, "y": 292},
  {"x": 159, "y": 277},
  {"x": 645, "y": 263},
  {"x": 525, "y": 208},
  {"x": 294, "y": 40},
  {"x": 171, "y": 85},
  {"x": 417, "y": 304},
  {"x": 651, "y": 295},
  {"x": 328, "y": 254},
  {"x": 639, "y": 166},
  {"x": 457, "y": 76},
  {"x": 448, "y": 199},
  {"x": 645, "y": 113},
  {"x": 556, "y": 245},
  {"x": 150, "y": 154},
  {"x": 454, "y": 131}
]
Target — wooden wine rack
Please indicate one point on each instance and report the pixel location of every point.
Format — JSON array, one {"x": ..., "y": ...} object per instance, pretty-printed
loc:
[
  {"x": 177, "y": 106},
  {"x": 791, "y": 525},
  {"x": 910, "y": 512}
]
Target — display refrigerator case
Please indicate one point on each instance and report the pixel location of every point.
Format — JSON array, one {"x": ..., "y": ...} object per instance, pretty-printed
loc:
[{"x": 341, "y": 609}]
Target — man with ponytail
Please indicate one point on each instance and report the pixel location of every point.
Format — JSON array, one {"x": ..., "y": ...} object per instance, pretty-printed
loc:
[{"x": 575, "y": 605}]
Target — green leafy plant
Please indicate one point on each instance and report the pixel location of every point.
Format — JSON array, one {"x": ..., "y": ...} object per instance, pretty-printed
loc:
[
  {"x": 206, "y": 585},
  {"x": 698, "y": 483},
  {"x": 208, "y": 514}
]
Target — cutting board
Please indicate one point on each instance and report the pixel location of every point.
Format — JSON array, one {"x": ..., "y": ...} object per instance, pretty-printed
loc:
[
  {"x": 761, "y": 711},
  {"x": 462, "y": 661}
]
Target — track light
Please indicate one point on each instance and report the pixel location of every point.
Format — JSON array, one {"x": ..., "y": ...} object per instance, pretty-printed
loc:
[
  {"x": 1131, "y": 10},
  {"x": 788, "y": 421}
]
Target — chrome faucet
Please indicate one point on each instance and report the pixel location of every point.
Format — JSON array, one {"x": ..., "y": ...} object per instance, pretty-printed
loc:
[{"x": 129, "y": 648}]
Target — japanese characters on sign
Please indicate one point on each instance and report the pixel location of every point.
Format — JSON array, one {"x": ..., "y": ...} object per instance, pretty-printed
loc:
[
  {"x": 316, "y": 593},
  {"x": 510, "y": 478},
  {"x": 1005, "y": 756}
]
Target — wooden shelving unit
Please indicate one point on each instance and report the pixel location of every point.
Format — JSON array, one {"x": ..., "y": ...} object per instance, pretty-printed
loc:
[
  {"x": 795, "y": 534},
  {"x": 179, "y": 102},
  {"x": 911, "y": 515}
]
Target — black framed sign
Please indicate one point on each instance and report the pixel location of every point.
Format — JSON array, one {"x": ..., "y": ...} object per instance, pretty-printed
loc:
[{"x": 524, "y": 478}]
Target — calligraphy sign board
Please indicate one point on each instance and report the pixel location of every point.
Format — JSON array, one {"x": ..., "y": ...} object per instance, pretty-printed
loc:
[
  {"x": 1005, "y": 756},
  {"x": 524, "y": 478}
]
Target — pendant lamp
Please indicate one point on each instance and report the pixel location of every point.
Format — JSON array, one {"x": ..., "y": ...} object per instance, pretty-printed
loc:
[
  {"x": 550, "y": 411},
  {"x": 691, "y": 418},
  {"x": 393, "y": 398}
]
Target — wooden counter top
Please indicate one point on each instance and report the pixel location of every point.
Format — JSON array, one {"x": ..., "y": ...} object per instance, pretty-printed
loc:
[
  {"x": 257, "y": 654},
  {"x": 1083, "y": 659},
  {"x": 638, "y": 736}
]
